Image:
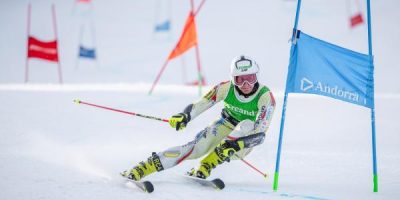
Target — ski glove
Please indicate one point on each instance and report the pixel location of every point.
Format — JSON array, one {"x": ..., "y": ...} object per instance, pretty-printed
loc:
[
  {"x": 179, "y": 121},
  {"x": 228, "y": 148}
]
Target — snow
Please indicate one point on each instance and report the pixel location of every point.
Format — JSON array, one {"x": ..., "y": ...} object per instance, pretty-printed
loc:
[{"x": 52, "y": 148}]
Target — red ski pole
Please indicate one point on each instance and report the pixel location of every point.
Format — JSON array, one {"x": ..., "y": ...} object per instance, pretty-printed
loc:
[
  {"x": 159, "y": 119},
  {"x": 265, "y": 175},
  {"x": 120, "y": 111}
]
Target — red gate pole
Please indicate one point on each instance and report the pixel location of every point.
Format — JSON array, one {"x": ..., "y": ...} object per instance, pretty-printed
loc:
[
  {"x": 158, "y": 76},
  {"x": 58, "y": 49},
  {"x": 200, "y": 76},
  {"x": 27, "y": 44}
]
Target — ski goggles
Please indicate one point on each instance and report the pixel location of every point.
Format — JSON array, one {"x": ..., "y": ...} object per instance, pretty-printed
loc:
[{"x": 239, "y": 81}]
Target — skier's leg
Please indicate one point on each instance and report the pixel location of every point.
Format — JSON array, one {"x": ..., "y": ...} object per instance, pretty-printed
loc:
[
  {"x": 144, "y": 168},
  {"x": 244, "y": 128},
  {"x": 204, "y": 142},
  {"x": 221, "y": 153},
  {"x": 229, "y": 148}
]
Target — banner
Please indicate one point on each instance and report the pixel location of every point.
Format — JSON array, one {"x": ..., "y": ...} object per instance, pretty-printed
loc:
[
  {"x": 318, "y": 67},
  {"x": 84, "y": 1},
  {"x": 356, "y": 19},
  {"x": 43, "y": 50},
  {"x": 321, "y": 68},
  {"x": 188, "y": 38},
  {"x": 163, "y": 27},
  {"x": 87, "y": 53}
]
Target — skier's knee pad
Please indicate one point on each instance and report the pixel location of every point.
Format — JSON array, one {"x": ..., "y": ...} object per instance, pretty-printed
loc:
[{"x": 173, "y": 156}]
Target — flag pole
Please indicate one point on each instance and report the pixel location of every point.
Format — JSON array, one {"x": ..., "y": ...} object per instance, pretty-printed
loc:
[
  {"x": 199, "y": 76},
  {"x": 192, "y": 5},
  {"x": 93, "y": 31},
  {"x": 158, "y": 76},
  {"x": 81, "y": 28},
  {"x": 187, "y": 41},
  {"x": 27, "y": 50},
  {"x": 169, "y": 18},
  {"x": 374, "y": 158},
  {"x": 58, "y": 49},
  {"x": 278, "y": 154},
  {"x": 200, "y": 6}
]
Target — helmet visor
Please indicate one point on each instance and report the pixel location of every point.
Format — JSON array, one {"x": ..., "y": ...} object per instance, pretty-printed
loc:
[{"x": 249, "y": 78}]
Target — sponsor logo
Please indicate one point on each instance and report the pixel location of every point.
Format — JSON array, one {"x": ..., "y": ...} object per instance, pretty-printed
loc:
[
  {"x": 243, "y": 65},
  {"x": 270, "y": 111},
  {"x": 325, "y": 89},
  {"x": 306, "y": 84},
  {"x": 261, "y": 117},
  {"x": 241, "y": 110},
  {"x": 156, "y": 161},
  {"x": 243, "y": 68},
  {"x": 263, "y": 113}
]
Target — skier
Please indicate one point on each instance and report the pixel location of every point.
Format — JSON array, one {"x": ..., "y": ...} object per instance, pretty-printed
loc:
[{"x": 246, "y": 116}]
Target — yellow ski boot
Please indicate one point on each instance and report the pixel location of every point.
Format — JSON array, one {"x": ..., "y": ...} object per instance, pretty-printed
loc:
[
  {"x": 143, "y": 169},
  {"x": 222, "y": 153}
]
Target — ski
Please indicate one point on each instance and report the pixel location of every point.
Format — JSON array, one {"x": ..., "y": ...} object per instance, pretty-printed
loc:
[
  {"x": 214, "y": 183},
  {"x": 145, "y": 186}
]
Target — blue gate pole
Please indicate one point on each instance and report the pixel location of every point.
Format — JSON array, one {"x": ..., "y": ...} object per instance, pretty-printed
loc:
[
  {"x": 278, "y": 154},
  {"x": 374, "y": 159}
]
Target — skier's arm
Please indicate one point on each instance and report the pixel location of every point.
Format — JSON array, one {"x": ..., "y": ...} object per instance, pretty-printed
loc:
[
  {"x": 266, "y": 106},
  {"x": 215, "y": 95}
]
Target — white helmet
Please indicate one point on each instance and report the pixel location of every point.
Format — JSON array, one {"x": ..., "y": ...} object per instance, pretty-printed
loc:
[{"x": 243, "y": 65}]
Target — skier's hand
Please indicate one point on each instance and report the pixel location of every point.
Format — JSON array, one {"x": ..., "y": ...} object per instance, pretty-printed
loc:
[
  {"x": 179, "y": 121},
  {"x": 228, "y": 148}
]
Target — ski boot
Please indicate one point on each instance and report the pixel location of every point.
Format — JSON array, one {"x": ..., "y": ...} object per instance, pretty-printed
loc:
[
  {"x": 223, "y": 152},
  {"x": 143, "y": 169}
]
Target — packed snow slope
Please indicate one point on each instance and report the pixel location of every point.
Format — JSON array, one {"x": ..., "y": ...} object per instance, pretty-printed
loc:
[{"x": 52, "y": 148}]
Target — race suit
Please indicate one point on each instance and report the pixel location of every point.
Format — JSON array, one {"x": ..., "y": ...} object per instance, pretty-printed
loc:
[{"x": 242, "y": 117}]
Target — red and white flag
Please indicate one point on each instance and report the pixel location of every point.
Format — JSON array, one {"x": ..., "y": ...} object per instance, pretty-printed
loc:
[
  {"x": 84, "y": 1},
  {"x": 42, "y": 50},
  {"x": 356, "y": 19}
]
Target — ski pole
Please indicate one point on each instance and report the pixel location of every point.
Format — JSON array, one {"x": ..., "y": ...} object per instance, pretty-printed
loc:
[
  {"x": 77, "y": 101},
  {"x": 121, "y": 111},
  {"x": 265, "y": 175}
]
